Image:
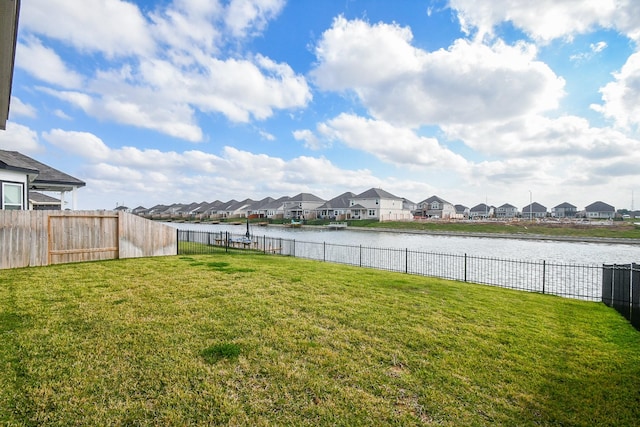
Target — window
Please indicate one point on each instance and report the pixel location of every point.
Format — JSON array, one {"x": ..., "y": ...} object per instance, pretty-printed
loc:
[
  {"x": 12, "y": 196},
  {"x": 372, "y": 212}
]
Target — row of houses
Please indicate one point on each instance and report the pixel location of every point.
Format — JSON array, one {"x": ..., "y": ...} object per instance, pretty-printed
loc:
[{"x": 374, "y": 203}]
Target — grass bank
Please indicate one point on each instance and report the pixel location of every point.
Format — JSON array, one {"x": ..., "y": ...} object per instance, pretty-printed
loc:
[{"x": 245, "y": 339}]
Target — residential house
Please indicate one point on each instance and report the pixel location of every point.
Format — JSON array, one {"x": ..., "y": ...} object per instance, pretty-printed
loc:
[
  {"x": 506, "y": 211},
  {"x": 274, "y": 209},
  {"x": 20, "y": 174},
  {"x": 534, "y": 210},
  {"x": 435, "y": 207},
  {"x": 302, "y": 206},
  {"x": 600, "y": 210},
  {"x": 336, "y": 208},
  {"x": 462, "y": 212},
  {"x": 40, "y": 202},
  {"x": 564, "y": 210},
  {"x": 256, "y": 210},
  {"x": 376, "y": 203},
  {"x": 481, "y": 211},
  {"x": 239, "y": 209}
]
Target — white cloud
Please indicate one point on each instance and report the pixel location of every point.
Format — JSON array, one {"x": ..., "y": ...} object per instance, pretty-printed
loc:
[
  {"x": 468, "y": 83},
  {"x": 20, "y": 138},
  {"x": 82, "y": 144},
  {"x": 44, "y": 64},
  {"x": 152, "y": 176},
  {"x": 545, "y": 20},
  {"x": 538, "y": 136},
  {"x": 168, "y": 67},
  {"x": 311, "y": 141},
  {"x": 112, "y": 27},
  {"x": 621, "y": 97},
  {"x": 400, "y": 146},
  {"x": 19, "y": 108},
  {"x": 250, "y": 16}
]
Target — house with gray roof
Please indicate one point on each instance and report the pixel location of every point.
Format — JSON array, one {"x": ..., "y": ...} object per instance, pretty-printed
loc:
[
  {"x": 600, "y": 210},
  {"x": 20, "y": 174},
  {"x": 435, "y": 207},
  {"x": 376, "y": 203},
  {"x": 481, "y": 211},
  {"x": 302, "y": 206},
  {"x": 506, "y": 211},
  {"x": 564, "y": 210},
  {"x": 462, "y": 212},
  {"x": 336, "y": 208},
  {"x": 534, "y": 210}
]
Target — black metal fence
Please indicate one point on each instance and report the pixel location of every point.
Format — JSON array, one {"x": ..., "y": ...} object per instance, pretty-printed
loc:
[
  {"x": 566, "y": 280},
  {"x": 621, "y": 290}
]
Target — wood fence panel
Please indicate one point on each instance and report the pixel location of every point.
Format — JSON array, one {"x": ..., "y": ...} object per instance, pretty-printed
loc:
[
  {"x": 82, "y": 236},
  {"x": 35, "y": 238},
  {"x": 141, "y": 237}
]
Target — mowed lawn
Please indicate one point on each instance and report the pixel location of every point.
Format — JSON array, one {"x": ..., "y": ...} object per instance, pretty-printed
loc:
[{"x": 256, "y": 340}]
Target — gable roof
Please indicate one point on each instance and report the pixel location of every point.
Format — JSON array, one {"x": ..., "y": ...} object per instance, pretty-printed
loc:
[
  {"x": 599, "y": 207},
  {"x": 339, "y": 202},
  {"x": 435, "y": 199},
  {"x": 305, "y": 197},
  {"x": 481, "y": 208},
  {"x": 376, "y": 193},
  {"x": 507, "y": 205},
  {"x": 46, "y": 177},
  {"x": 534, "y": 207},
  {"x": 565, "y": 205}
]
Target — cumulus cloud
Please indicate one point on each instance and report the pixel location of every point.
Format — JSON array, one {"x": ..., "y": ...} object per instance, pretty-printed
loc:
[
  {"x": 538, "y": 136},
  {"x": 468, "y": 83},
  {"x": 248, "y": 16},
  {"x": 111, "y": 27},
  {"x": 397, "y": 145},
  {"x": 83, "y": 144},
  {"x": 545, "y": 20},
  {"x": 45, "y": 64},
  {"x": 621, "y": 97},
  {"x": 164, "y": 176},
  {"x": 20, "y": 138},
  {"x": 19, "y": 108},
  {"x": 168, "y": 64}
]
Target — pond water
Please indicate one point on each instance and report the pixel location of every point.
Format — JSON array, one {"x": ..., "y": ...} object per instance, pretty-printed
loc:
[{"x": 519, "y": 249}]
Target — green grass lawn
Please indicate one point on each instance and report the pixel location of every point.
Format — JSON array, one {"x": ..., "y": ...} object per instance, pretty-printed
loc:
[{"x": 247, "y": 339}]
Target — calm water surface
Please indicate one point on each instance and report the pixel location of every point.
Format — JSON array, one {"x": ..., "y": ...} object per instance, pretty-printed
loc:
[{"x": 530, "y": 250}]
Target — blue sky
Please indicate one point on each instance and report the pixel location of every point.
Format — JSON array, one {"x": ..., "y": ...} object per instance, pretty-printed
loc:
[{"x": 185, "y": 101}]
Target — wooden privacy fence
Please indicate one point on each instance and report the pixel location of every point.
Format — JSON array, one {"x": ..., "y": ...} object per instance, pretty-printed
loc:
[
  {"x": 35, "y": 238},
  {"x": 621, "y": 290}
]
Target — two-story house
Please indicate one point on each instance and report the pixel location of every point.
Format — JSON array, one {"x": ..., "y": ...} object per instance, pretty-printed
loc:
[
  {"x": 481, "y": 211},
  {"x": 534, "y": 210},
  {"x": 564, "y": 210},
  {"x": 435, "y": 207},
  {"x": 376, "y": 203},
  {"x": 506, "y": 211},
  {"x": 600, "y": 210},
  {"x": 302, "y": 206}
]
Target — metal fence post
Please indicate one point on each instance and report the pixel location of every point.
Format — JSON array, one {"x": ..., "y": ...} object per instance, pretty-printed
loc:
[
  {"x": 544, "y": 270},
  {"x": 406, "y": 260},
  {"x": 324, "y": 251},
  {"x": 465, "y": 267},
  {"x": 360, "y": 256}
]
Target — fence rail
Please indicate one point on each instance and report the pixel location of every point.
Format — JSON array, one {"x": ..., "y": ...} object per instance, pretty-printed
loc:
[{"x": 567, "y": 280}]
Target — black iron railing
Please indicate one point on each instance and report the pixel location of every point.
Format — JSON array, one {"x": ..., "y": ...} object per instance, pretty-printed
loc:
[{"x": 566, "y": 280}]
